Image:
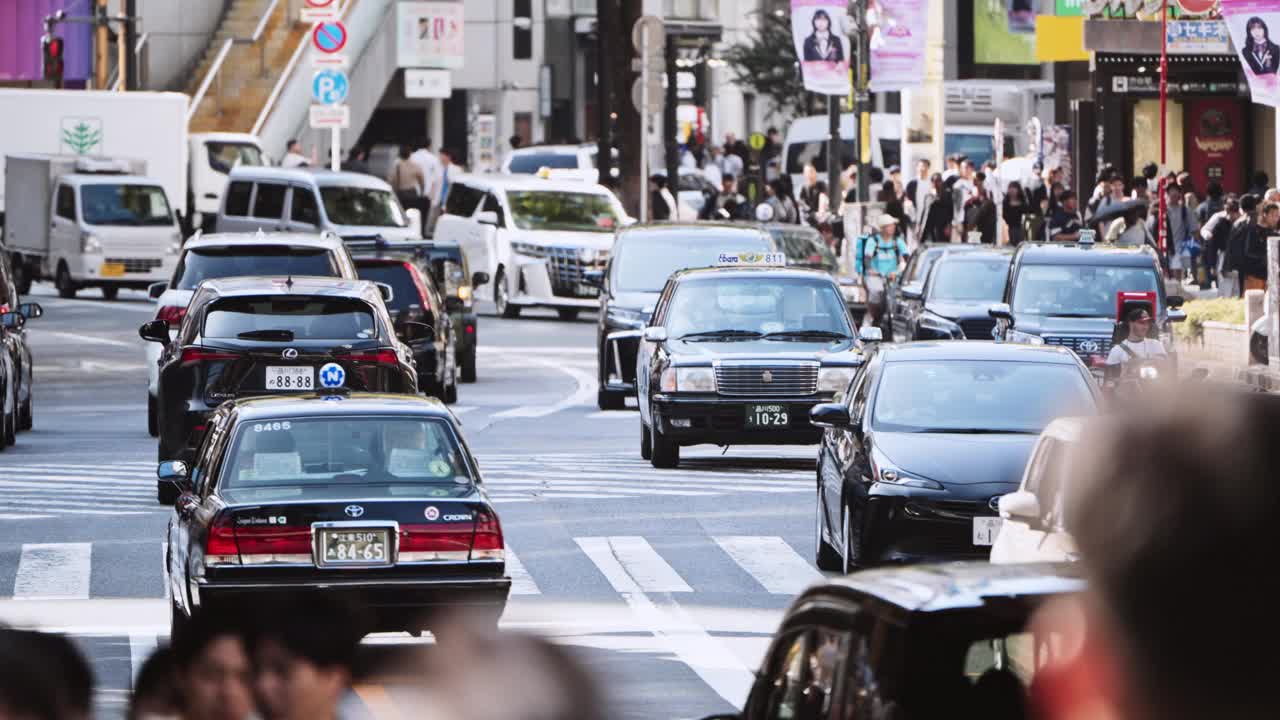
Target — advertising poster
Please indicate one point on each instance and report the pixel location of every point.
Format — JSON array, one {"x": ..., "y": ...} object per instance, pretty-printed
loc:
[
  {"x": 1215, "y": 153},
  {"x": 818, "y": 28},
  {"x": 429, "y": 34},
  {"x": 1000, "y": 37},
  {"x": 897, "y": 44},
  {"x": 1253, "y": 25},
  {"x": 1057, "y": 150}
]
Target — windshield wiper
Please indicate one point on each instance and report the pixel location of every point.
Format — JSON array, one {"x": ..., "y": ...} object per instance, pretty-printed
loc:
[
  {"x": 807, "y": 333},
  {"x": 721, "y": 333},
  {"x": 280, "y": 335},
  {"x": 1073, "y": 315},
  {"x": 975, "y": 431}
]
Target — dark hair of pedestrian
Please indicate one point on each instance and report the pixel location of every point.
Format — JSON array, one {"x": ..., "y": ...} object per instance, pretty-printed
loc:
[
  {"x": 875, "y": 175},
  {"x": 202, "y": 630},
  {"x": 291, "y": 143},
  {"x": 155, "y": 684},
  {"x": 320, "y": 629},
  {"x": 1214, "y": 189},
  {"x": 659, "y": 180},
  {"x": 727, "y": 177},
  {"x": 405, "y": 152},
  {"x": 1067, "y": 195},
  {"x": 1138, "y": 182},
  {"x": 1269, "y": 207},
  {"x": 1150, "y": 170},
  {"x": 1249, "y": 203},
  {"x": 43, "y": 677},
  {"x": 1169, "y": 534},
  {"x": 1260, "y": 179},
  {"x": 1231, "y": 204}
]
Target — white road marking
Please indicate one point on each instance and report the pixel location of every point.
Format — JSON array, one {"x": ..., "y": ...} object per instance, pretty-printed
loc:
[
  {"x": 631, "y": 564},
  {"x": 141, "y": 645},
  {"x": 83, "y": 338},
  {"x": 53, "y": 571},
  {"x": 522, "y": 352},
  {"x": 612, "y": 415},
  {"x": 582, "y": 396},
  {"x": 463, "y": 409},
  {"x": 771, "y": 561},
  {"x": 521, "y": 582}
]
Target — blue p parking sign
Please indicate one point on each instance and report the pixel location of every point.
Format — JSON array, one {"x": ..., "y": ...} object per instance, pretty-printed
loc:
[{"x": 330, "y": 87}]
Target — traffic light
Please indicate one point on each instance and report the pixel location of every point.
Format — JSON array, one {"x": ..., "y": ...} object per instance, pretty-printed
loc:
[{"x": 53, "y": 47}]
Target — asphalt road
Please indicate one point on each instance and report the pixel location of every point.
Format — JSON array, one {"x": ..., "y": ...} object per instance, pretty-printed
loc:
[{"x": 669, "y": 583}]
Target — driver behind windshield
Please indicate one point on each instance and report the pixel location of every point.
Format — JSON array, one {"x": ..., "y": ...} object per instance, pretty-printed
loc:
[{"x": 1137, "y": 349}]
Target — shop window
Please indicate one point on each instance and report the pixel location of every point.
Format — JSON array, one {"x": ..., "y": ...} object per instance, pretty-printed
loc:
[
  {"x": 1146, "y": 134},
  {"x": 522, "y": 30}
]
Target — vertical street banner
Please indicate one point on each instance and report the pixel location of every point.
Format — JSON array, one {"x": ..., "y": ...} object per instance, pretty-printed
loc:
[
  {"x": 429, "y": 34},
  {"x": 898, "y": 29},
  {"x": 1251, "y": 23},
  {"x": 819, "y": 30}
]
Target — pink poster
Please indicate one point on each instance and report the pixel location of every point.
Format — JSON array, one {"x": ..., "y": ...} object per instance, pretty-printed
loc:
[
  {"x": 819, "y": 30},
  {"x": 897, "y": 43},
  {"x": 1250, "y": 23}
]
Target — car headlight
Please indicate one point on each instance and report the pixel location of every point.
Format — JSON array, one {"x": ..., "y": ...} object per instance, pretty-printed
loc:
[
  {"x": 464, "y": 292},
  {"x": 688, "y": 379},
  {"x": 938, "y": 324},
  {"x": 89, "y": 243},
  {"x": 834, "y": 379},
  {"x": 897, "y": 477},
  {"x": 530, "y": 249},
  {"x": 1016, "y": 336},
  {"x": 623, "y": 317}
]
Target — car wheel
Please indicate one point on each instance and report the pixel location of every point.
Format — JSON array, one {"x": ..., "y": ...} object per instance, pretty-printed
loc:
[
  {"x": 828, "y": 558},
  {"x": 608, "y": 400},
  {"x": 110, "y": 292},
  {"x": 502, "y": 299},
  {"x": 567, "y": 314},
  {"x": 664, "y": 453},
  {"x": 11, "y": 426},
  {"x": 153, "y": 422},
  {"x": 27, "y": 418},
  {"x": 22, "y": 276},
  {"x": 646, "y": 451},
  {"x": 469, "y": 367},
  {"x": 852, "y": 546},
  {"x": 178, "y": 622},
  {"x": 451, "y": 393},
  {"x": 66, "y": 286}
]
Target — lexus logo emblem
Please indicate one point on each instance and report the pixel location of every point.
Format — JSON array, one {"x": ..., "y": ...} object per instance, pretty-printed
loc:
[
  {"x": 354, "y": 511},
  {"x": 289, "y": 354},
  {"x": 1090, "y": 347},
  {"x": 766, "y": 377}
]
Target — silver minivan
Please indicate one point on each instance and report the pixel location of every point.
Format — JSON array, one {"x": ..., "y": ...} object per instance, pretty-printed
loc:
[{"x": 352, "y": 205}]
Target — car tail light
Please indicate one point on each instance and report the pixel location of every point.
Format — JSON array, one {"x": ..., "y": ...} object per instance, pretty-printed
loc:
[
  {"x": 172, "y": 314},
  {"x": 436, "y": 542},
  {"x": 274, "y": 544},
  {"x": 4, "y": 308},
  {"x": 383, "y": 356},
  {"x": 471, "y": 329},
  {"x": 220, "y": 543},
  {"x": 488, "y": 543},
  {"x": 195, "y": 355},
  {"x": 417, "y": 281}
]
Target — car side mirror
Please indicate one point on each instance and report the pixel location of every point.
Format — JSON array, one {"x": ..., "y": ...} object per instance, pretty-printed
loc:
[
  {"x": 412, "y": 332},
  {"x": 1175, "y": 301},
  {"x": 173, "y": 478},
  {"x": 870, "y": 334},
  {"x": 830, "y": 415},
  {"x": 1022, "y": 506},
  {"x": 594, "y": 278},
  {"x": 155, "y": 331},
  {"x": 479, "y": 278},
  {"x": 488, "y": 217},
  {"x": 655, "y": 334},
  {"x": 912, "y": 291},
  {"x": 31, "y": 311},
  {"x": 388, "y": 294},
  {"x": 413, "y": 216},
  {"x": 1000, "y": 311},
  {"x": 12, "y": 321},
  {"x": 155, "y": 290},
  {"x": 1177, "y": 315}
]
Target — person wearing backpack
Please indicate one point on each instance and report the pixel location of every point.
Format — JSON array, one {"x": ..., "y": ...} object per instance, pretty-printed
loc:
[{"x": 878, "y": 262}]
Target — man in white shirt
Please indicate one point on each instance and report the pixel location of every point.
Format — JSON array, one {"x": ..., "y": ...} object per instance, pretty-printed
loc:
[
  {"x": 1137, "y": 349},
  {"x": 425, "y": 159},
  {"x": 293, "y": 156}
]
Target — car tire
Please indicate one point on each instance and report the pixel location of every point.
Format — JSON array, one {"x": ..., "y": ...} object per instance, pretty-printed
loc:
[
  {"x": 451, "y": 393},
  {"x": 664, "y": 453},
  {"x": 66, "y": 286},
  {"x": 610, "y": 400},
  {"x": 828, "y": 558},
  {"x": 26, "y": 416},
  {"x": 646, "y": 451},
  {"x": 852, "y": 557},
  {"x": 11, "y": 427},
  {"x": 502, "y": 298},
  {"x": 22, "y": 276},
  {"x": 178, "y": 622},
  {"x": 567, "y": 314},
  {"x": 153, "y": 421},
  {"x": 110, "y": 292},
  {"x": 468, "y": 367}
]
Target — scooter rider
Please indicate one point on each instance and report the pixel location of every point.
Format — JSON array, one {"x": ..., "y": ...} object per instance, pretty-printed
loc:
[
  {"x": 1136, "y": 350},
  {"x": 879, "y": 263}
]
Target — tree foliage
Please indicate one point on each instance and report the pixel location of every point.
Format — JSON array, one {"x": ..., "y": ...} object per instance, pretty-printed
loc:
[{"x": 767, "y": 65}]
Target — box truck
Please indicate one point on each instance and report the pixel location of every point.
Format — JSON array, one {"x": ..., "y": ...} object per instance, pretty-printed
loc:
[{"x": 84, "y": 221}]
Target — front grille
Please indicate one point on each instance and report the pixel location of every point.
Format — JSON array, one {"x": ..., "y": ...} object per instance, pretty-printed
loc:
[
  {"x": 1075, "y": 343},
  {"x": 137, "y": 265},
  {"x": 771, "y": 380},
  {"x": 978, "y": 328},
  {"x": 565, "y": 269}
]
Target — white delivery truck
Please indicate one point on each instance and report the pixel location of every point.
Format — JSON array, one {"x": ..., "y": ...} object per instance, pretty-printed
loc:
[
  {"x": 150, "y": 126},
  {"x": 87, "y": 222}
]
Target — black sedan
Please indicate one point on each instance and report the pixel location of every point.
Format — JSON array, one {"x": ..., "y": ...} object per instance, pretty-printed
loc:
[
  {"x": 243, "y": 337},
  {"x": 19, "y": 351},
  {"x": 375, "y": 497},
  {"x": 953, "y": 302},
  {"x": 928, "y": 437}
]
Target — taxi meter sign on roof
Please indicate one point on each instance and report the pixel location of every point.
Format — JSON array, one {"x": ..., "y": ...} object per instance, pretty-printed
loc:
[{"x": 751, "y": 259}]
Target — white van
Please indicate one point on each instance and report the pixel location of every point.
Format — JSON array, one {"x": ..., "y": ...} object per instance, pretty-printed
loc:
[
  {"x": 1034, "y": 517},
  {"x": 535, "y": 238},
  {"x": 806, "y": 143}
]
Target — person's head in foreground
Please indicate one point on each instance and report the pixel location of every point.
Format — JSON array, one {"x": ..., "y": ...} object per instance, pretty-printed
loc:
[
  {"x": 43, "y": 677},
  {"x": 303, "y": 653},
  {"x": 212, "y": 669}
]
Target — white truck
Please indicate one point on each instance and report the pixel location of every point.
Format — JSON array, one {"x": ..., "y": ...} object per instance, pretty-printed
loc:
[
  {"x": 150, "y": 126},
  {"x": 87, "y": 222}
]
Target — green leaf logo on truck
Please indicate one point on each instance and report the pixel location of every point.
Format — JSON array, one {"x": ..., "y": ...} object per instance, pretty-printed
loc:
[{"x": 81, "y": 135}]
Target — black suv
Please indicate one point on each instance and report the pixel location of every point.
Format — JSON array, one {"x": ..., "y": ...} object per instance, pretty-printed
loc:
[
  {"x": 952, "y": 303},
  {"x": 1065, "y": 294},
  {"x": 13, "y": 340},
  {"x": 266, "y": 336}
]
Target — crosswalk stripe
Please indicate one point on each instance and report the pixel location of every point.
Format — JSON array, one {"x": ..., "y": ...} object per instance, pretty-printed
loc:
[
  {"x": 521, "y": 582},
  {"x": 631, "y": 564},
  {"x": 771, "y": 561},
  {"x": 79, "y": 511},
  {"x": 141, "y": 645},
  {"x": 53, "y": 571}
]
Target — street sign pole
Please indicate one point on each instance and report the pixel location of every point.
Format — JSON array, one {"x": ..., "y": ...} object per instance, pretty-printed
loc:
[
  {"x": 998, "y": 137},
  {"x": 335, "y": 148},
  {"x": 644, "y": 127}
]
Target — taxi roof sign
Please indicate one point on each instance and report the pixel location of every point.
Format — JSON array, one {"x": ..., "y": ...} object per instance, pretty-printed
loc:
[{"x": 752, "y": 259}]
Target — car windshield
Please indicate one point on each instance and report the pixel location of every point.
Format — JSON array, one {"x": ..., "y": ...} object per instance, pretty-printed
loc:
[
  {"x": 970, "y": 280},
  {"x": 202, "y": 264},
  {"x": 304, "y": 318},
  {"x": 362, "y": 206},
  {"x": 109, "y": 204},
  {"x": 974, "y": 396},
  {"x": 345, "y": 450},
  {"x": 405, "y": 293},
  {"x": 223, "y": 156},
  {"x": 1077, "y": 290},
  {"x": 804, "y": 248},
  {"x": 530, "y": 163},
  {"x": 644, "y": 261},
  {"x": 555, "y": 210},
  {"x": 761, "y": 305}
]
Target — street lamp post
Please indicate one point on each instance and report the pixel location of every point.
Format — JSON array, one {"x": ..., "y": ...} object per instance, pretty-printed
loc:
[{"x": 1164, "y": 100}]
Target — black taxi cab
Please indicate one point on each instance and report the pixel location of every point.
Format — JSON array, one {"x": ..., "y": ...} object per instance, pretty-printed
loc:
[{"x": 737, "y": 354}]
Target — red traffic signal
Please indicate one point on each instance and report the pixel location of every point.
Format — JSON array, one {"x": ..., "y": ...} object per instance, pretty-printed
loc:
[{"x": 53, "y": 47}]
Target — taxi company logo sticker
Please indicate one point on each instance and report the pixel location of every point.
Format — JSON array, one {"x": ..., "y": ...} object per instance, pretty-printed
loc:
[
  {"x": 289, "y": 354},
  {"x": 273, "y": 520},
  {"x": 751, "y": 258},
  {"x": 431, "y": 513},
  {"x": 354, "y": 511},
  {"x": 332, "y": 375}
]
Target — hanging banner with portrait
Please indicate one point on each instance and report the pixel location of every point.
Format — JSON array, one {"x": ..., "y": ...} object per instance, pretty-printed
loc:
[
  {"x": 1250, "y": 23},
  {"x": 897, "y": 43},
  {"x": 822, "y": 44}
]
